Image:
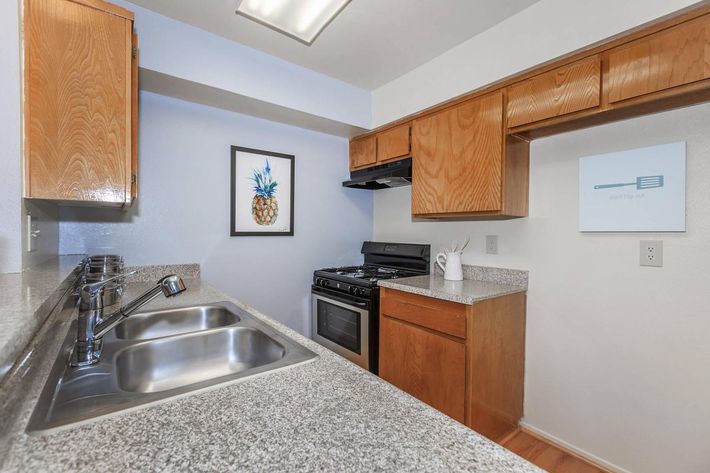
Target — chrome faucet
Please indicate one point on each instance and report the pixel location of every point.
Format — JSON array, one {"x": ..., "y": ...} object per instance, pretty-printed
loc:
[{"x": 92, "y": 325}]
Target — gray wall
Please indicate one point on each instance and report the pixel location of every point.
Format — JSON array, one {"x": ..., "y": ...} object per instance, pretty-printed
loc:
[
  {"x": 182, "y": 213},
  {"x": 10, "y": 138},
  {"x": 616, "y": 354}
]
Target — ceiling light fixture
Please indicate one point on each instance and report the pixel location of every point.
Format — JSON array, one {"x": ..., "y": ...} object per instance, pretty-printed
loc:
[{"x": 300, "y": 19}]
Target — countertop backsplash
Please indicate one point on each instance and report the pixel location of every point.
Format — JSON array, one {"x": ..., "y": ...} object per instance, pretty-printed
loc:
[
  {"x": 155, "y": 272},
  {"x": 510, "y": 277}
]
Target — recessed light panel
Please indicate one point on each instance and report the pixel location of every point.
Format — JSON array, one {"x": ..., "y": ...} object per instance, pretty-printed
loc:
[{"x": 300, "y": 19}]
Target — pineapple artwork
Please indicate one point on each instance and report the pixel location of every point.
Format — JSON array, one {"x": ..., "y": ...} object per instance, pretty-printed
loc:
[
  {"x": 264, "y": 205},
  {"x": 262, "y": 190}
]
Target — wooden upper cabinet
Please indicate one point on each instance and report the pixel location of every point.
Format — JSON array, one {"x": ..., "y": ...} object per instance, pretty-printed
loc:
[
  {"x": 672, "y": 57},
  {"x": 558, "y": 92},
  {"x": 388, "y": 145},
  {"x": 79, "y": 102},
  {"x": 394, "y": 143},
  {"x": 457, "y": 159},
  {"x": 363, "y": 152}
]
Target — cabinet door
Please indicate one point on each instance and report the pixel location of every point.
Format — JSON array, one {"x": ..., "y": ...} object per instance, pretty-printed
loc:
[
  {"x": 457, "y": 158},
  {"x": 78, "y": 102},
  {"x": 428, "y": 366},
  {"x": 393, "y": 143},
  {"x": 363, "y": 152},
  {"x": 669, "y": 58},
  {"x": 558, "y": 92}
]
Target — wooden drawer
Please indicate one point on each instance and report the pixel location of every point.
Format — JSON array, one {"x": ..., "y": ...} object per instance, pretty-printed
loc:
[
  {"x": 442, "y": 316},
  {"x": 393, "y": 143},
  {"x": 363, "y": 152},
  {"x": 672, "y": 57},
  {"x": 558, "y": 92}
]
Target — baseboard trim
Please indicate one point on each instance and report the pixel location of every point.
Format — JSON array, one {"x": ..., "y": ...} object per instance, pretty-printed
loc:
[{"x": 571, "y": 449}]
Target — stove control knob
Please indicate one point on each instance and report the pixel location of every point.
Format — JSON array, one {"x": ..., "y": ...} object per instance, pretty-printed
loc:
[
  {"x": 322, "y": 282},
  {"x": 353, "y": 290}
]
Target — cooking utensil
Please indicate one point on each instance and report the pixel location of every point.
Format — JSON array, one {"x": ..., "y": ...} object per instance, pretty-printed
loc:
[
  {"x": 642, "y": 182},
  {"x": 468, "y": 239}
]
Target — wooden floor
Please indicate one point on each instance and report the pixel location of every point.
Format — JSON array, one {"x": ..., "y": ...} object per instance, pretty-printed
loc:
[{"x": 547, "y": 456}]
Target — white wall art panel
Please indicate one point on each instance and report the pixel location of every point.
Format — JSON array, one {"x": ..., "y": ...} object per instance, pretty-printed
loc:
[{"x": 638, "y": 190}]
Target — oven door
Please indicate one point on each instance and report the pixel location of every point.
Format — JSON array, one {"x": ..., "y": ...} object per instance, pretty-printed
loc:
[{"x": 342, "y": 324}]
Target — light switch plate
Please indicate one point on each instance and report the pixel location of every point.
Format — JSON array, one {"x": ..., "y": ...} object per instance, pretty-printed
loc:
[
  {"x": 651, "y": 253},
  {"x": 32, "y": 232},
  {"x": 492, "y": 244}
]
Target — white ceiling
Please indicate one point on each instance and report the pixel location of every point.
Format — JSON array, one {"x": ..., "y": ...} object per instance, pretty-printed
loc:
[{"x": 370, "y": 43}]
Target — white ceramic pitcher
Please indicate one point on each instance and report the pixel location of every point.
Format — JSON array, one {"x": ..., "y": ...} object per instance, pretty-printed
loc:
[{"x": 451, "y": 266}]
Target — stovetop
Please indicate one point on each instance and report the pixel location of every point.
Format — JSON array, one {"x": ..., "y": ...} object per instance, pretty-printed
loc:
[
  {"x": 367, "y": 273},
  {"x": 381, "y": 261}
]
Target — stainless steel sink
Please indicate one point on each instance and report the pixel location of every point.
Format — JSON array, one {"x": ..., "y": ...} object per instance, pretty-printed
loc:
[
  {"x": 160, "y": 355},
  {"x": 161, "y": 323},
  {"x": 175, "y": 362}
]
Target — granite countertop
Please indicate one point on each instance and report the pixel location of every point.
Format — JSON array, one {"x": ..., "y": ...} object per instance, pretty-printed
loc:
[
  {"x": 27, "y": 298},
  {"x": 325, "y": 415},
  {"x": 468, "y": 291}
]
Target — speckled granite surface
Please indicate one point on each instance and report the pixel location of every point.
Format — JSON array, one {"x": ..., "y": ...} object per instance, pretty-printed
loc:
[
  {"x": 326, "y": 415},
  {"x": 511, "y": 277},
  {"x": 468, "y": 291},
  {"x": 153, "y": 273},
  {"x": 25, "y": 301}
]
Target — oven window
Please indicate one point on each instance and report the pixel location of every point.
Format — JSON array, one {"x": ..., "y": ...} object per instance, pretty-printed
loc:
[{"x": 339, "y": 325}]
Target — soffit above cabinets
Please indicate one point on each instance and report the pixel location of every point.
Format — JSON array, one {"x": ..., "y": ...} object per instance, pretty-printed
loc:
[{"x": 369, "y": 43}]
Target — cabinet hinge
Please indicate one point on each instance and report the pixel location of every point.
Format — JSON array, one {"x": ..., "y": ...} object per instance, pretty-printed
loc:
[
  {"x": 133, "y": 178},
  {"x": 134, "y": 52}
]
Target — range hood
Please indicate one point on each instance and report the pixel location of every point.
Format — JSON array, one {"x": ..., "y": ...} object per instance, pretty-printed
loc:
[{"x": 394, "y": 174}]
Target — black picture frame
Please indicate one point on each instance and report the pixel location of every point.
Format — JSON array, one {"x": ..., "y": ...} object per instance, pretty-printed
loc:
[{"x": 233, "y": 188}]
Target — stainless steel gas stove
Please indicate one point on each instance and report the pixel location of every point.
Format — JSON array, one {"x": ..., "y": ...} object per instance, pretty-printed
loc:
[{"x": 346, "y": 300}]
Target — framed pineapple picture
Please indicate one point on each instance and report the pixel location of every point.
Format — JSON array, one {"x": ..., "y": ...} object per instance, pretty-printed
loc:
[{"x": 262, "y": 192}]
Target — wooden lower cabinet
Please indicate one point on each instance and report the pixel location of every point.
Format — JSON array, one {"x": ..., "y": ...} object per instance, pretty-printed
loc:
[
  {"x": 426, "y": 364},
  {"x": 475, "y": 378}
]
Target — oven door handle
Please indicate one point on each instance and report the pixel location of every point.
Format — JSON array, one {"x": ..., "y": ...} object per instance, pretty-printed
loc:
[{"x": 335, "y": 297}]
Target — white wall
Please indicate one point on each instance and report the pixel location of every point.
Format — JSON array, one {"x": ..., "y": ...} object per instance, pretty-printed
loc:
[
  {"x": 182, "y": 212},
  {"x": 10, "y": 138},
  {"x": 543, "y": 31},
  {"x": 617, "y": 354}
]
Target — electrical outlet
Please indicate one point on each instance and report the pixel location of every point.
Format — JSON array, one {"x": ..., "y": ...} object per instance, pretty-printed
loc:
[
  {"x": 492, "y": 244},
  {"x": 651, "y": 253}
]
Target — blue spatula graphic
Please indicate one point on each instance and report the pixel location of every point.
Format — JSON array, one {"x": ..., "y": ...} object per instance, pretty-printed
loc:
[{"x": 643, "y": 182}]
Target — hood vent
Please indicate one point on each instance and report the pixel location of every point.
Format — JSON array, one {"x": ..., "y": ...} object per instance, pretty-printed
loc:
[{"x": 394, "y": 174}]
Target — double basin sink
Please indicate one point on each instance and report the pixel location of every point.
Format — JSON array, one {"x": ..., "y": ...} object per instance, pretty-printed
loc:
[{"x": 153, "y": 356}]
